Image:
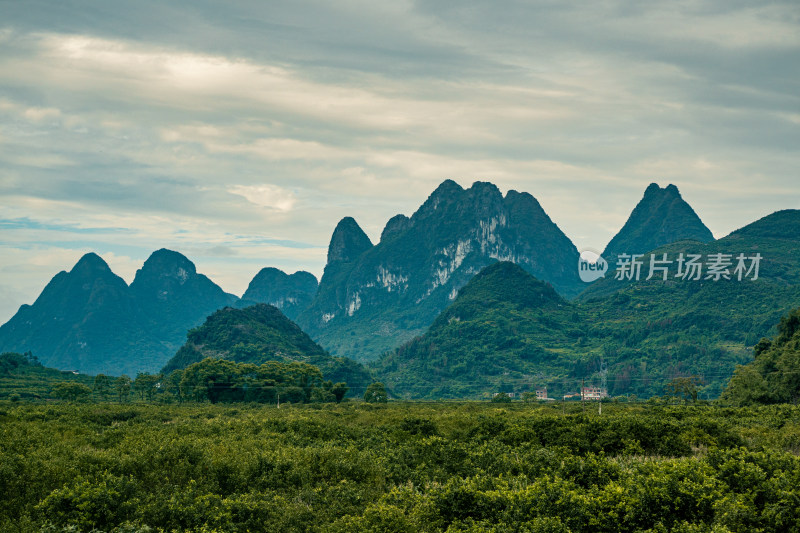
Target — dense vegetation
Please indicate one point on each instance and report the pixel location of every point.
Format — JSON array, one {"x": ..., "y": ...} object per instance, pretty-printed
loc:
[
  {"x": 220, "y": 380},
  {"x": 505, "y": 332},
  {"x": 258, "y": 334},
  {"x": 357, "y": 467},
  {"x": 774, "y": 375},
  {"x": 22, "y": 377}
]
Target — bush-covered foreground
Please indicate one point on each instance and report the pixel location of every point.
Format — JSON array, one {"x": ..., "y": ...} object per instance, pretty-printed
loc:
[{"x": 398, "y": 467}]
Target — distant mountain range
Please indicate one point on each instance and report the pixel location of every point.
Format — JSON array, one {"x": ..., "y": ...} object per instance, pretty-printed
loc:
[
  {"x": 89, "y": 319},
  {"x": 380, "y": 302},
  {"x": 371, "y": 298}
]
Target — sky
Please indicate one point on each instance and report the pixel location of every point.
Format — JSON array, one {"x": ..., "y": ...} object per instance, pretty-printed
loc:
[{"x": 239, "y": 133}]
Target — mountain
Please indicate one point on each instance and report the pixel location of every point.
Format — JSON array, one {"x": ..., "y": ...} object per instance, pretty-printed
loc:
[
  {"x": 372, "y": 298},
  {"x": 646, "y": 332},
  {"x": 661, "y": 217},
  {"x": 701, "y": 325},
  {"x": 348, "y": 243},
  {"x": 289, "y": 293},
  {"x": 505, "y": 330},
  {"x": 84, "y": 319},
  {"x": 258, "y": 334},
  {"x": 174, "y": 297},
  {"x": 90, "y": 320}
]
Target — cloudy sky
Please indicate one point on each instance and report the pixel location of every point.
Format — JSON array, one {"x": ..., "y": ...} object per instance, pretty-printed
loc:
[{"x": 240, "y": 132}]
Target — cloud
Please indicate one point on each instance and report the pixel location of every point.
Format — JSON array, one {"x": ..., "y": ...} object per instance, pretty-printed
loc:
[{"x": 268, "y": 196}]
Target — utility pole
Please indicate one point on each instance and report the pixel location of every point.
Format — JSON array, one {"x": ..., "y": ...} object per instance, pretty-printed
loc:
[
  {"x": 583, "y": 399},
  {"x": 603, "y": 384}
]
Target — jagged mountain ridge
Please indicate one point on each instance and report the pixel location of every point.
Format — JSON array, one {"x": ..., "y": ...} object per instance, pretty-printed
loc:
[{"x": 369, "y": 302}]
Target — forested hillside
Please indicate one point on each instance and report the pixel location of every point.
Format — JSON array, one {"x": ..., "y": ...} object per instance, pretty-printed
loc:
[{"x": 260, "y": 334}]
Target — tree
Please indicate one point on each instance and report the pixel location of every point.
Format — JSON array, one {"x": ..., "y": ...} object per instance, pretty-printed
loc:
[
  {"x": 376, "y": 393},
  {"x": 171, "y": 385},
  {"x": 102, "y": 386},
  {"x": 123, "y": 387},
  {"x": 71, "y": 391},
  {"x": 146, "y": 384},
  {"x": 213, "y": 379},
  {"x": 684, "y": 387},
  {"x": 501, "y": 397},
  {"x": 529, "y": 396},
  {"x": 339, "y": 390}
]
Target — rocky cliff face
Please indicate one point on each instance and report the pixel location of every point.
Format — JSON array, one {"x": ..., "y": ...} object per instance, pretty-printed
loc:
[
  {"x": 391, "y": 291},
  {"x": 661, "y": 217}
]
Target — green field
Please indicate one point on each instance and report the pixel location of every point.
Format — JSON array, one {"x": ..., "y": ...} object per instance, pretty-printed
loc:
[{"x": 354, "y": 467}]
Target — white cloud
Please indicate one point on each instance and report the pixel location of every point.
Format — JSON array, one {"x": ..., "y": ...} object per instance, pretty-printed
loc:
[{"x": 266, "y": 196}]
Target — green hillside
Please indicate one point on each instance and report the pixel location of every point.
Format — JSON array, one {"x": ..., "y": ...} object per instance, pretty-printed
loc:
[
  {"x": 774, "y": 375},
  {"x": 22, "y": 377},
  {"x": 259, "y": 334},
  {"x": 646, "y": 332},
  {"x": 505, "y": 331}
]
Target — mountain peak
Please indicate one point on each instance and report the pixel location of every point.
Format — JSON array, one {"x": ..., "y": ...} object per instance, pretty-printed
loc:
[
  {"x": 484, "y": 187},
  {"x": 90, "y": 264},
  {"x": 447, "y": 187},
  {"x": 396, "y": 225},
  {"x": 661, "y": 217},
  {"x": 654, "y": 191},
  {"x": 523, "y": 202},
  {"x": 653, "y": 188},
  {"x": 446, "y": 192},
  {"x": 290, "y": 294},
  {"x": 168, "y": 261},
  {"x": 347, "y": 242}
]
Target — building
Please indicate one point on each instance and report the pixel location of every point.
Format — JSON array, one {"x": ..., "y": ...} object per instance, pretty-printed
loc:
[
  {"x": 541, "y": 394},
  {"x": 593, "y": 393}
]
